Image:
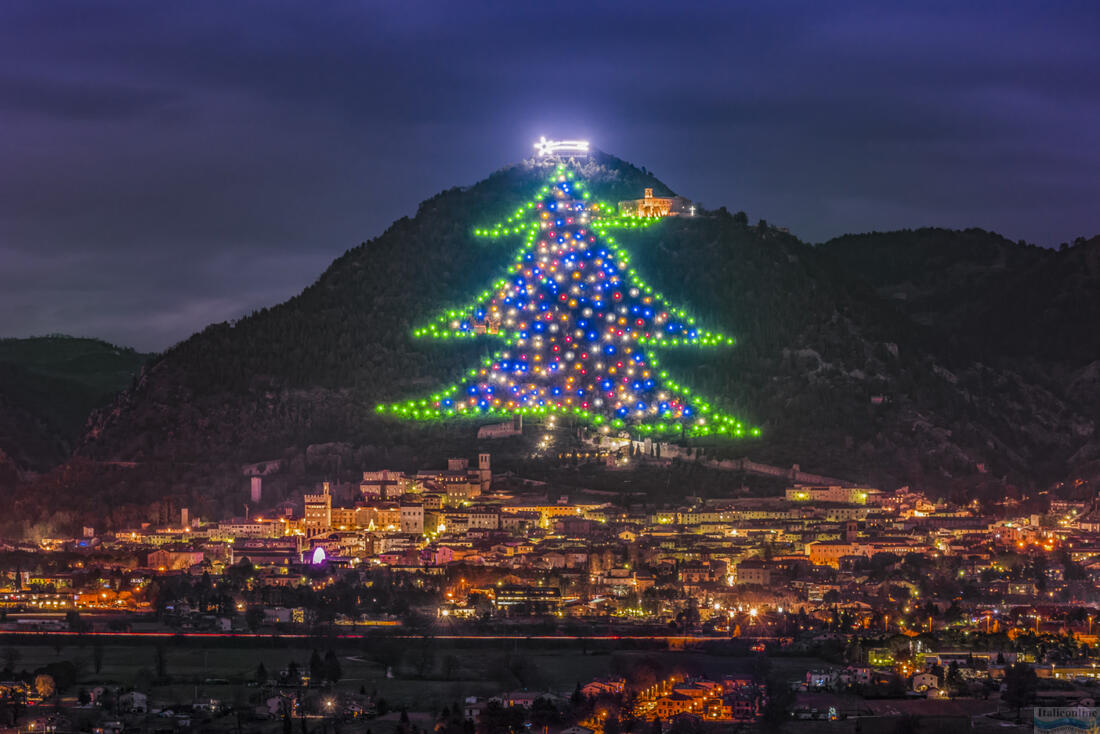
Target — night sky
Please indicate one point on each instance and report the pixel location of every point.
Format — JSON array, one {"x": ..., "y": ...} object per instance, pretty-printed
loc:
[{"x": 164, "y": 165}]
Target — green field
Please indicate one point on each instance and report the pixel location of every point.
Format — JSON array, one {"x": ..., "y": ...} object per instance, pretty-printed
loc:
[{"x": 428, "y": 674}]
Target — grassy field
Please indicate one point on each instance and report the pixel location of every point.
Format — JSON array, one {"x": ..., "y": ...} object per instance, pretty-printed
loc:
[{"x": 427, "y": 676}]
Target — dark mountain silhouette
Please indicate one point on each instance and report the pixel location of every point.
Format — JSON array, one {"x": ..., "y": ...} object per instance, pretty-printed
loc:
[{"x": 48, "y": 387}]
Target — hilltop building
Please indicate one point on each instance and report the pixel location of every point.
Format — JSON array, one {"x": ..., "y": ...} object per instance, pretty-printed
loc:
[
  {"x": 656, "y": 206},
  {"x": 513, "y": 427}
]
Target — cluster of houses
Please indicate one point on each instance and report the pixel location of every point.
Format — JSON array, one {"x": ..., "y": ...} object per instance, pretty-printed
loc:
[{"x": 507, "y": 549}]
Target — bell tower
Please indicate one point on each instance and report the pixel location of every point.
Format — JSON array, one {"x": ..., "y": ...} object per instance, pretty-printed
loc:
[{"x": 483, "y": 471}]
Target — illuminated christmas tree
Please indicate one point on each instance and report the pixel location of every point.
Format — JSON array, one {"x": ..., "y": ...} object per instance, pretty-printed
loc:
[{"x": 578, "y": 326}]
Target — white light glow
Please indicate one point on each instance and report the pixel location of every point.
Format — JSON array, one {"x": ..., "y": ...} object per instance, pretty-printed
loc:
[{"x": 546, "y": 147}]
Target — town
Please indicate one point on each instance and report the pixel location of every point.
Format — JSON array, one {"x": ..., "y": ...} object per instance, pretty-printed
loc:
[{"x": 889, "y": 600}]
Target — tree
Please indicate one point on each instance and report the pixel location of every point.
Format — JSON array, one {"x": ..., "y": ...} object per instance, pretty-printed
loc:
[
  {"x": 545, "y": 713},
  {"x": 261, "y": 673},
  {"x": 496, "y": 719},
  {"x": 316, "y": 669},
  {"x": 777, "y": 710},
  {"x": 109, "y": 700},
  {"x": 954, "y": 677},
  {"x": 63, "y": 672},
  {"x": 11, "y": 657},
  {"x": 577, "y": 698},
  {"x": 333, "y": 671},
  {"x": 450, "y": 666},
  {"x": 254, "y": 618},
  {"x": 97, "y": 656},
  {"x": 44, "y": 686},
  {"x": 483, "y": 608},
  {"x": 425, "y": 657},
  {"x": 908, "y": 724},
  {"x": 240, "y": 704},
  {"x": 1020, "y": 686},
  {"x": 75, "y": 623},
  {"x": 160, "y": 659},
  {"x": 389, "y": 653},
  {"x": 578, "y": 325},
  {"x": 686, "y": 724},
  {"x": 741, "y": 218}
]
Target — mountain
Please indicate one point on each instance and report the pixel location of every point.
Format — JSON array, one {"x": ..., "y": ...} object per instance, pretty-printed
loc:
[
  {"x": 1018, "y": 307},
  {"x": 48, "y": 387},
  {"x": 843, "y": 378},
  {"x": 996, "y": 299}
]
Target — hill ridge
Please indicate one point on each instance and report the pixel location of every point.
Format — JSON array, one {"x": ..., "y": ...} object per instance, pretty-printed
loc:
[{"x": 841, "y": 378}]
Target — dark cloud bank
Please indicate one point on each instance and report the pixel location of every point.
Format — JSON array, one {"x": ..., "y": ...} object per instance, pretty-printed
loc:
[{"x": 166, "y": 165}]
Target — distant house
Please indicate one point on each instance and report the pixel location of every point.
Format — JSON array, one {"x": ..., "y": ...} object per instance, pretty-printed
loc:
[
  {"x": 576, "y": 729},
  {"x": 473, "y": 708},
  {"x": 603, "y": 686},
  {"x": 513, "y": 427},
  {"x": 135, "y": 702},
  {"x": 673, "y": 704},
  {"x": 925, "y": 681},
  {"x": 524, "y": 699},
  {"x": 754, "y": 572}
]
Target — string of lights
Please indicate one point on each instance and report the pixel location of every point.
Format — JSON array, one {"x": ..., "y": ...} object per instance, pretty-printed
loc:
[{"x": 578, "y": 323}]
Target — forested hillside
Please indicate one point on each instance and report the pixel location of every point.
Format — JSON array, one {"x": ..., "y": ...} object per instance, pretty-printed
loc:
[
  {"x": 996, "y": 298},
  {"x": 1014, "y": 306},
  {"x": 48, "y": 387},
  {"x": 841, "y": 376}
]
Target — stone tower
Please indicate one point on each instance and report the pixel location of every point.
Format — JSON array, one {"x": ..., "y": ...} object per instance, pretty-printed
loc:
[{"x": 483, "y": 471}]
